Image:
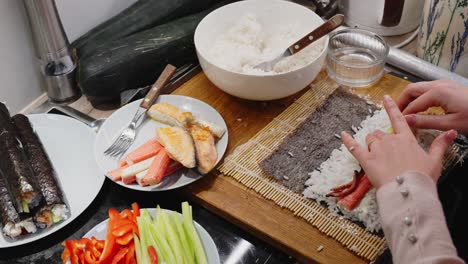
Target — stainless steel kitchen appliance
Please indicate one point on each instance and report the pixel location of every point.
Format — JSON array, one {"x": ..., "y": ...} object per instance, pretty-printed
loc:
[
  {"x": 55, "y": 58},
  {"x": 384, "y": 17}
]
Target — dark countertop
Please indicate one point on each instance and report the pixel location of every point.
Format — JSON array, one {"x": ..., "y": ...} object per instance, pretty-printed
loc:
[{"x": 234, "y": 245}]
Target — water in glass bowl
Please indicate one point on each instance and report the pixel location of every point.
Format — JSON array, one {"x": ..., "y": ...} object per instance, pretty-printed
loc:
[{"x": 355, "y": 66}]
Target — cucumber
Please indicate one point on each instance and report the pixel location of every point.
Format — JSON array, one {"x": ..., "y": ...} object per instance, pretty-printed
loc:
[
  {"x": 142, "y": 15},
  {"x": 137, "y": 60}
]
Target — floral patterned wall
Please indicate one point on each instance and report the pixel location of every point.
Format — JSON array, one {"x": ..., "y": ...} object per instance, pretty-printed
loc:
[{"x": 443, "y": 34}]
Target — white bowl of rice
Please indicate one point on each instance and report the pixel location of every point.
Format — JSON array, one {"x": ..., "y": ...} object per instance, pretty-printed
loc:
[{"x": 231, "y": 40}]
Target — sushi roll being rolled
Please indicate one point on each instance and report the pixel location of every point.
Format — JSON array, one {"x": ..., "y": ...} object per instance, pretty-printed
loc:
[
  {"x": 54, "y": 209},
  {"x": 12, "y": 224}
]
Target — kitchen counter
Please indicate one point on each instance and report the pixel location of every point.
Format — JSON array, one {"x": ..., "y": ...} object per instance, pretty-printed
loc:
[{"x": 235, "y": 245}]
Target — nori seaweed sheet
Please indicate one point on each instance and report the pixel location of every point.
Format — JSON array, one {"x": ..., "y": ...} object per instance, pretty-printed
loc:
[
  {"x": 5, "y": 120},
  {"x": 40, "y": 163},
  {"x": 313, "y": 141},
  {"x": 8, "y": 212}
]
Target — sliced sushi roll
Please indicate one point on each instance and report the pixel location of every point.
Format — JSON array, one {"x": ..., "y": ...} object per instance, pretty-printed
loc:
[
  {"x": 54, "y": 209},
  {"x": 18, "y": 174},
  {"x": 5, "y": 120},
  {"x": 12, "y": 224}
]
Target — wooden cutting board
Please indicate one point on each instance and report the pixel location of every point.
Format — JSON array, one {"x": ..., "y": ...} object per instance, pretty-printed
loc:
[
  {"x": 230, "y": 199},
  {"x": 244, "y": 207}
]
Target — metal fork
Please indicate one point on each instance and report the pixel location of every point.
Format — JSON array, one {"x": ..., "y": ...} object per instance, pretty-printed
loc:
[{"x": 126, "y": 138}]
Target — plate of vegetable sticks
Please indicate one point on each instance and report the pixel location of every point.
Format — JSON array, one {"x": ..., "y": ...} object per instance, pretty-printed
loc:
[{"x": 144, "y": 236}]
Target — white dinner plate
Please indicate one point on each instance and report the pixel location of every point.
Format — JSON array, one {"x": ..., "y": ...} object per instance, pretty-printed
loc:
[
  {"x": 100, "y": 231},
  {"x": 113, "y": 126},
  {"x": 69, "y": 144}
]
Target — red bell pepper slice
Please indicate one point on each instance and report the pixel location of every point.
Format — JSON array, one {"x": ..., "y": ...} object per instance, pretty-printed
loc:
[
  {"x": 131, "y": 254},
  {"x": 65, "y": 254},
  {"x": 70, "y": 247},
  {"x": 113, "y": 214},
  {"x": 153, "y": 255},
  {"x": 127, "y": 214},
  {"x": 120, "y": 231},
  {"x": 123, "y": 241},
  {"x": 90, "y": 259},
  {"x": 120, "y": 255},
  {"x": 136, "y": 209},
  {"x": 110, "y": 239}
]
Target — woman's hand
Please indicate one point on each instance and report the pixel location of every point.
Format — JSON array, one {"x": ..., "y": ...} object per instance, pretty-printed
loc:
[
  {"x": 390, "y": 155},
  {"x": 452, "y": 97}
]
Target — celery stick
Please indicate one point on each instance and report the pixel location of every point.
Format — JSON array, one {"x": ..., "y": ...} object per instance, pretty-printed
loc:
[
  {"x": 189, "y": 227},
  {"x": 137, "y": 249},
  {"x": 172, "y": 237},
  {"x": 164, "y": 248},
  {"x": 185, "y": 242},
  {"x": 143, "y": 241},
  {"x": 158, "y": 233}
]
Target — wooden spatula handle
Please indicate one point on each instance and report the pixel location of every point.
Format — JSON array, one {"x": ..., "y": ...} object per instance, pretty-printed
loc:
[
  {"x": 317, "y": 33},
  {"x": 155, "y": 90}
]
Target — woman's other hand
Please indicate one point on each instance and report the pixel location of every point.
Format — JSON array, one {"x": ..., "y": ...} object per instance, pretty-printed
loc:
[
  {"x": 452, "y": 97},
  {"x": 390, "y": 155}
]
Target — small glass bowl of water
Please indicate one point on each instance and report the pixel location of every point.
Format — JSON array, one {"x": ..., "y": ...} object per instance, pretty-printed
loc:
[{"x": 356, "y": 57}]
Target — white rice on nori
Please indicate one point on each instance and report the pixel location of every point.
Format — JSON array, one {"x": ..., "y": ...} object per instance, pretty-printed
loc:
[{"x": 339, "y": 168}]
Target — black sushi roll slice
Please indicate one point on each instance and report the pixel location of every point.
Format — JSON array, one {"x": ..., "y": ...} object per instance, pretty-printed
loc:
[
  {"x": 5, "y": 120},
  {"x": 13, "y": 225},
  {"x": 54, "y": 209},
  {"x": 18, "y": 174}
]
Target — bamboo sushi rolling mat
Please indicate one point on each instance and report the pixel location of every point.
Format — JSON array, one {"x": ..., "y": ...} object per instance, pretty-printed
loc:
[{"x": 243, "y": 165}]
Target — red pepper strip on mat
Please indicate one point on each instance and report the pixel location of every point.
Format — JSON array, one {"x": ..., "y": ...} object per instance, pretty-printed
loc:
[
  {"x": 131, "y": 254},
  {"x": 123, "y": 241},
  {"x": 343, "y": 187},
  {"x": 153, "y": 255},
  {"x": 136, "y": 209},
  {"x": 120, "y": 255},
  {"x": 347, "y": 188}
]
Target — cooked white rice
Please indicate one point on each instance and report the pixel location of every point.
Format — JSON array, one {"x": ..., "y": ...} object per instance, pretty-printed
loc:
[
  {"x": 247, "y": 43},
  {"x": 339, "y": 168}
]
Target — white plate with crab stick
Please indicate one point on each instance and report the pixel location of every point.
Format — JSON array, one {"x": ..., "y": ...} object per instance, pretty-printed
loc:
[{"x": 145, "y": 165}]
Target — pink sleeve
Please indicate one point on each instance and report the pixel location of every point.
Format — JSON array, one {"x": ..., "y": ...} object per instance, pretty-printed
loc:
[{"x": 413, "y": 221}]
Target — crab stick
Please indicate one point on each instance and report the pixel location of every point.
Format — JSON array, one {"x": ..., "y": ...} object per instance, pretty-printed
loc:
[
  {"x": 137, "y": 167},
  {"x": 353, "y": 199},
  {"x": 116, "y": 175},
  {"x": 145, "y": 151},
  {"x": 157, "y": 170},
  {"x": 173, "y": 167}
]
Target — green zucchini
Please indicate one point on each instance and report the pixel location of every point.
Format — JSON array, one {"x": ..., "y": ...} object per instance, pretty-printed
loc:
[
  {"x": 142, "y": 15},
  {"x": 137, "y": 60}
]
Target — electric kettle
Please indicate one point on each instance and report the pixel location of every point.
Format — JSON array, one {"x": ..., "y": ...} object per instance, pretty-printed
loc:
[{"x": 384, "y": 17}]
